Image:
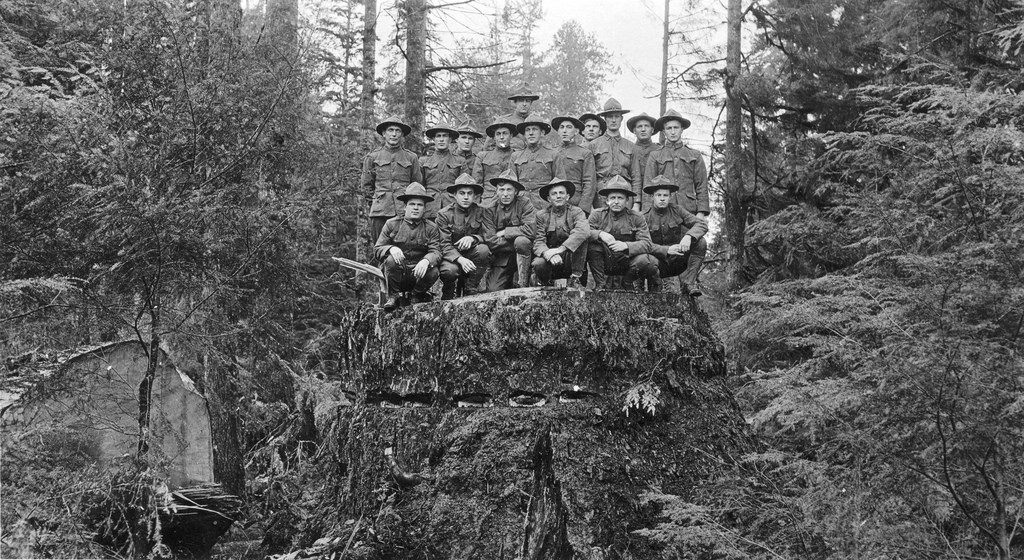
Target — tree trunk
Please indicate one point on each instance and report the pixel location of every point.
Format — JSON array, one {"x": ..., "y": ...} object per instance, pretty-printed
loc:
[
  {"x": 369, "y": 63},
  {"x": 735, "y": 198},
  {"x": 663, "y": 97},
  {"x": 415, "y": 16},
  {"x": 219, "y": 35},
  {"x": 282, "y": 52},
  {"x": 222, "y": 400}
]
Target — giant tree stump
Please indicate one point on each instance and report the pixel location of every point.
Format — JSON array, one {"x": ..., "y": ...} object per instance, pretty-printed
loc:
[{"x": 504, "y": 414}]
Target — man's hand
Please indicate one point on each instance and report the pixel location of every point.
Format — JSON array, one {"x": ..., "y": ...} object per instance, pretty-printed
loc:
[
  {"x": 550, "y": 253},
  {"x": 500, "y": 233},
  {"x": 606, "y": 237},
  {"x": 703, "y": 215},
  {"x": 618, "y": 246},
  {"x": 397, "y": 254},
  {"x": 466, "y": 264},
  {"x": 465, "y": 243},
  {"x": 555, "y": 259},
  {"x": 685, "y": 243},
  {"x": 421, "y": 269}
]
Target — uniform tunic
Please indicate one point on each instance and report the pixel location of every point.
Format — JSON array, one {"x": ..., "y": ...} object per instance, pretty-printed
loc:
[
  {"x": 577, "y": 163},
  {"x": 418, "y": 240},
  {"x": 470, "y": 158},
  {"x": 668, "y": 226},
  {"x": 685, "y": 167},
  {"x": 638, "y": 168},
  {"x": 440, "y": 169},
  {"x": 560, "y": 227},
  {"x": 517, "y": 220},
  {"x": 536, "y": 166},
  {"x": 456, "y": 222},
  {"x": 490, "y": 164},
  {"x": 386, "y": 173},
  {"x": 613, "y": 156}
]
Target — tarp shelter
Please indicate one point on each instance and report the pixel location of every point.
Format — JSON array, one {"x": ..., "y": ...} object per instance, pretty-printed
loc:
[{"x": 94, "y": 394}]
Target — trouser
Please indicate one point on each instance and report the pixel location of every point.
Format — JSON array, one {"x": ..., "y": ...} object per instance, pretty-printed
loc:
[
  {"x": 574, "y": 263},
  {"x": 605, "y": 263},
  {"x": 401, "y": 278},
  {"x": 686, "y": 266},
  {"x": 454, "y": 280},
  {"x": 510, "y": 264}
]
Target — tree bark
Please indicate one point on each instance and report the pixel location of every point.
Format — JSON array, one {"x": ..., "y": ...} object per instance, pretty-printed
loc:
[
  {"x": 735, "y": 199},
  {"x": 219, "y": 34},
  {"x": 663, "y": 97},
  {"x": 415, "y": 15},
  {"x": 369, "y": 66}
]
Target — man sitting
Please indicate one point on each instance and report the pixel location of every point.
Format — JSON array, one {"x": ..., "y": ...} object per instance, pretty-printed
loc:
[
  {"x": 464, "y": 232},
  {"x": 512, "y": 219},
  {"x": 678, "y": 252},
  {"x": 620, "y": 242},
  {"x": 559, "y": 236},
  {"x": 410, "y": 248}
]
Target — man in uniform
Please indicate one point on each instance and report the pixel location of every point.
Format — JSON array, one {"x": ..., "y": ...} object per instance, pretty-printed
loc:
[
  {"x": 677, "y": 236},
  {"x": 464, "y": 144},
  {"x": 512, "y": 219},
  {"x": 575, "y": 161},
  {"x": 682, "y": 165},
  {"x": 560, "y": 237},
  {"x": 492, "y": 162},
  {"x": 387, "y": 171},
  {"x": 593, "y": 127},
  {"x": 410, "y": 249},
  {"x": 642, "y": 126},
  {"x": 523, "y": 100},
  {"x": 465, "y": 231},
  {"x": 441, "y": 167},
  {"x": 612, "y": 152},
  {"x": 620, "y": 243},
  {"x": 536, "y": 164}
]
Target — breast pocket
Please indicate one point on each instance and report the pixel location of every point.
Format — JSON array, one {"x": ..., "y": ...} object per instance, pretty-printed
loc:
[{"x": 403, "y": 172}]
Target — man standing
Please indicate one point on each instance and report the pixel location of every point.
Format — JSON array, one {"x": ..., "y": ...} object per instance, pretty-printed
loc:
[
  {"x": 512, "y": 218},
  {"x": 535, "y": 165},
  {"x": 642, "y": 126},
  {"x": 523, "y": 101},
  {"x": 494, "y": 161},
  {"x": 386, "y": 172},
  {"x": 464, "y": 230},
  {"x": 620, "y": 243},
  {"x": 575, "y": 161},
  {"x": 464, "y": 145},
  {"x": 410, "y": 249},
  {"x": 560, "y": 237},
  {"x": 612, "y": 152},
  {"x": 681, "y": 164},
  {"x": 677, "y": 236},
  {"x": 441, "y": 167},
  {"x": 593, "y": 127}
]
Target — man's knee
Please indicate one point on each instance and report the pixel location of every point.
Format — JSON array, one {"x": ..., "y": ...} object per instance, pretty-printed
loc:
[
  {"x": 449, "y": 271},
  {"x": 480, "y": 254},
  {"x": 523, "y": 245},
  {"x": 645, "y": 266},
  {"x": 700, "y": 247}
]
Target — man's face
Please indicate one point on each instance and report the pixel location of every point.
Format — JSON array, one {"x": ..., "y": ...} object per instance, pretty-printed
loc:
[
  {"x": 613, "y": 122},
  {"x": 506, "y": 193},
  {"x": 558, "y": 196},
  {"x": 616, "y": 201},
  {"x": 464, "y": 196},
  {"x": 673, "y": 131},
  {"x": 532, "y": 134},
  {"x": 502, "y": 137},
  {"x": 643, "y": 130},
  {"x": 661, "y": 198},
  {"x": 465, "y": 142},
  {"x": 566, "y": 132},
  {"x": 414, "y": 208},
  {"x": 441, "y": 141},
  {"x": 591, "y": 129},
  {"x": 522, "y": 106},
  {"x": 393, "y": 135}
]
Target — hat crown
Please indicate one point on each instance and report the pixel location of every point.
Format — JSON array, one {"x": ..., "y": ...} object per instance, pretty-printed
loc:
[
  {"x": 393, "y": 119},
  {"x": 523, "y": 92},
  {"x": 415, "y": 189},
  {"x": 618, "y": 182},
  {"x": 508, "y": 175},
  {"x": 465, "y": 179},
  {"x": 612, "y": 105}
]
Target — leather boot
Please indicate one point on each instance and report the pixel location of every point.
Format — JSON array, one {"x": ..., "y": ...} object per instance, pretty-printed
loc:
[
  {"x": 523, "y": 269},
  {"x": 421, "y": 297},
  {"x": 448, "y": 290},
  {"x": 391, "y": 304},
  {"x": 655, "y": 285},
  {"x": 473, "y": 281}
]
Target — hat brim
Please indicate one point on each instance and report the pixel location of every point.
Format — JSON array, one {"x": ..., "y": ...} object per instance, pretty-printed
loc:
[
  {"x": 406, "y": 129},
  {"x": 613, "y": 112},
  {"x": 608, "y": 191},
  {"x": 570, "y": 188},
  {"x": 478, "y": 189},
  {"x": 526, "y": 96},
  {"x": 495, "y": 181},
  {"x": 591, "y": 117},
  {"x": 492, "y": 129},
  {"x": 633, "y": 121},
  {"x": 452, "y": 133},
  {"x": 521, "y": 127},
  {"x": 651, "y": 189},
  {"x": 659, "y": 124},
  {"x": 557, "y": 122},
  {"x": 472, "y": 133},
  {"x": 407, "y": 197}
]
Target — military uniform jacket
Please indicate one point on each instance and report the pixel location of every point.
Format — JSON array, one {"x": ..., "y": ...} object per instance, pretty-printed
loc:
[
  {"x": 568, "y": 222},
  {"x": 577, "y": 163},
  {"x": 628, "y": 226},
  {"x": 516, "y": 219},
  {"x": 418, "y": 239},
  {"x": 638, "y": 168},
  {"x": 386, "y": 173},
  {"x": 669, "y": 225},
  {"x": 517, "y": 142},
  {"x": 489, "y": 164},
  {"x": 613, "y": 157},
  {"x": 440, "y": 170},
  {"x": 535, "y": 168},
  {"x": 684, "y": 166},
  {"x": 456, "y": 222},
  {"x": 470, "y": 162}
]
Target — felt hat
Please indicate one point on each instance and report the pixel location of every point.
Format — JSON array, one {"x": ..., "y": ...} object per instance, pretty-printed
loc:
[
  {"x": 557, "y": 122},
  {"x": 442, "y": 127},
  {"x": 523, "y": 93},
  {"x": 466, "y": 127},
  {"x": 671, "y": 115},
  {"x": 658, "y": 183},
  {"x": 393, "y": 121},
  {"x": 556, "y": 182},
  {"x": 507, "y": 176},
  {"x": 533, "y": 121},
  {"x": 465, "y": 180},
  {"x": 634, "y": 120},
  {"x": 613, "y": 107},
  {"x": 415, "y": 190},
  {"x": 500, "y": 123},
  {"x": 617, "y": 184},
  {"x": 592, "y": 116}
]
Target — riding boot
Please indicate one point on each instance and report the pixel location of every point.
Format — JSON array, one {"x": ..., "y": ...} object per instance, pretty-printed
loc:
[{"x": 523, "y": 269}]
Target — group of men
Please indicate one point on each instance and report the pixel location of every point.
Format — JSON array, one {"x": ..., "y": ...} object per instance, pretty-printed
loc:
[{"x": 536, "y": 204}]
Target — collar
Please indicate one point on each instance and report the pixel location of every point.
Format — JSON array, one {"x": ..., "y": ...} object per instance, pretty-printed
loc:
[
  {"x": 615, "y": 214},
  {"x": 646, "y": 142},
  {"x": 462, "y": 210},
  {"x": 390, "y": 149},
  {"x": 660, "y": 210},
  {"x": 443, "y": 152},
  {"x": 675, "y": 144},
  {"x": 559, "y": 210},
  {"x": 413, "y": 223},
  {"x": 534, "y": 147}
]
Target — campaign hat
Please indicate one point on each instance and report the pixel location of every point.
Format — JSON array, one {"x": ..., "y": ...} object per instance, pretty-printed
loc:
[
  {"x": 634, "y": 120},
  {"x": 671, "y": 115},
  {"x": 415, "y": 190},
  {"x": 570, "y": 187},
  {"x": 617, "y": 184},
  {"x": 393, "y": 120},
  {"x": 507, "y": 176},
  {"x": 465, "y": 180},
  {"x": 613, "y": 107},
  {"x": 658, "y": 183},
  {"x": 557, "y": 122},
  {"x": 593, "y": 116}
]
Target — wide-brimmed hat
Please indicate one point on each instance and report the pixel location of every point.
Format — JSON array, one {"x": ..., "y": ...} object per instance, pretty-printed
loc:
[
  {"x": 593, "y": 116},
  {"x": 466, "y": 180},
  {"x": 617, "y": 184},
  {"x": 658, "y": 183},
  {"x": 671, "y": 115},
  {"x": 523, "y": 93},
  {"x": 613, "y": 107},
  {"x": 507, "y": 176},
  {"x": 634, "y": 120},
  {"x": 415, "y": 190},
  {"x": 521, "y": 127},
  {"x": 500, "y": 123},
  {"x": 557, "y": 122},
  {"x": 442, "y": 127},
  {"x": 467, "y": 127},
  {"x": 570, "y": 187},
  {"x": 395, "y": 121}
]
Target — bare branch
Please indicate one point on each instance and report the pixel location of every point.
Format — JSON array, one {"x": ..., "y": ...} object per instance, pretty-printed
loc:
[{"x": 457, "y": 67}]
